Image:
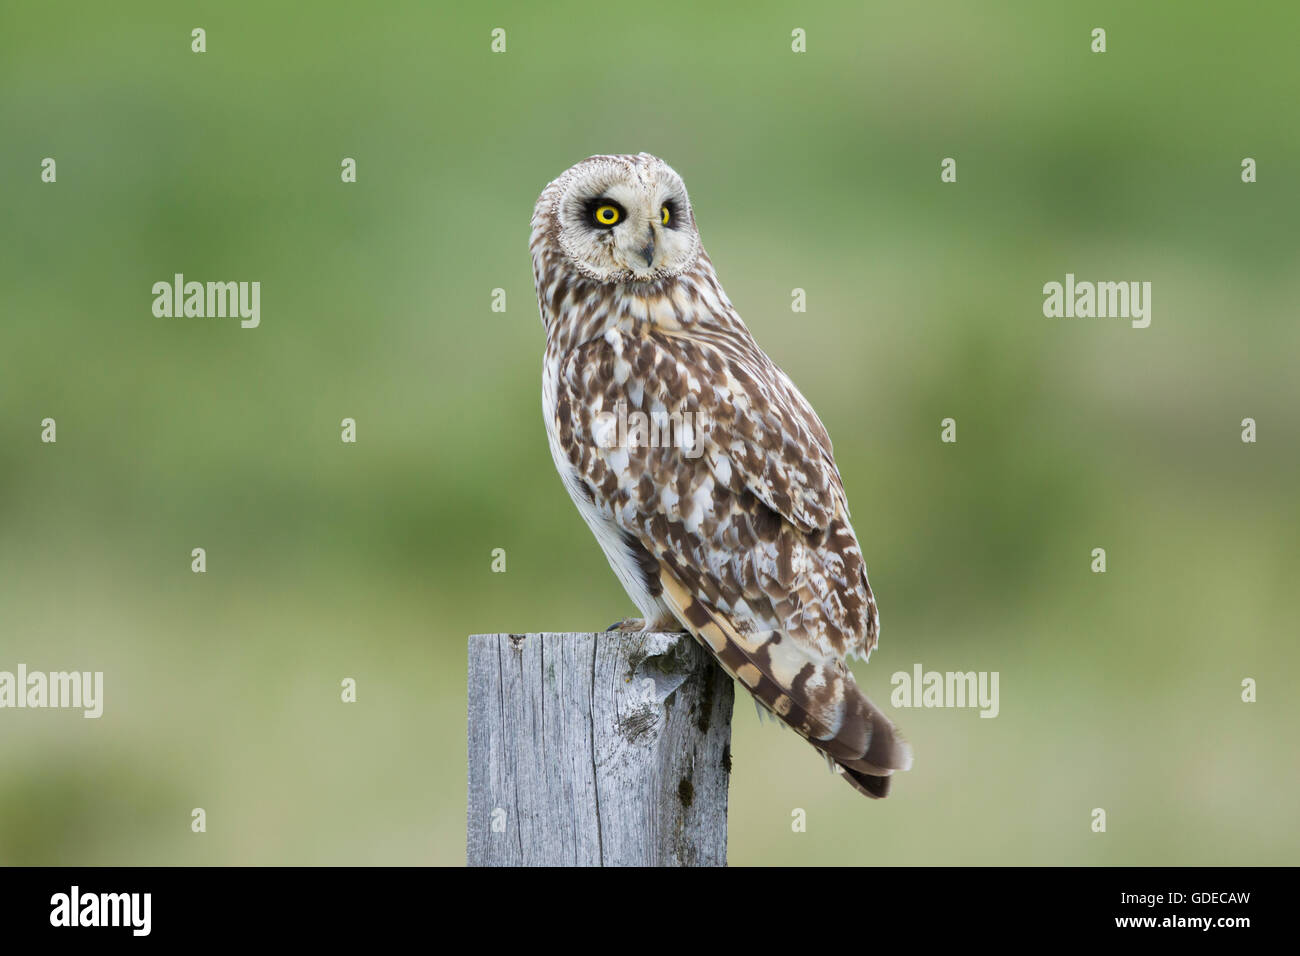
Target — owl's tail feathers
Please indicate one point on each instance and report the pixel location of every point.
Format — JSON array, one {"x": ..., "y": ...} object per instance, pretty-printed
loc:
[
  {"x": 886, "y": 751},
  {"x": 819, "y": 701},
  {"x": 877, "y": 788}
]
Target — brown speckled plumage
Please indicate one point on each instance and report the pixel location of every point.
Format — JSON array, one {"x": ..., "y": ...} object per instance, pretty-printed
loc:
[{"x": 742, "y": 536}]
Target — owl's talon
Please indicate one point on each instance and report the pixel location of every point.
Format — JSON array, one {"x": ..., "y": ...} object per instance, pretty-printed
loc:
[{"x": 627, "y": 624}]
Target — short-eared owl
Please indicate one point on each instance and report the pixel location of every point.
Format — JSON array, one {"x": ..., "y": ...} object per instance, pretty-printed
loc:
[{"x": 704, "y": 473}]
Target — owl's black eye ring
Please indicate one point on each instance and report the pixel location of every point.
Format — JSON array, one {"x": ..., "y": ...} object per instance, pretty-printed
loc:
[
  {"x": 605, "y": 213},
  {"x": 668, "y": 214}
]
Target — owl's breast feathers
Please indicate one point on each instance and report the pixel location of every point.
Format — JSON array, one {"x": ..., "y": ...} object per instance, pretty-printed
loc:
[{"x": 733, "y": 496}]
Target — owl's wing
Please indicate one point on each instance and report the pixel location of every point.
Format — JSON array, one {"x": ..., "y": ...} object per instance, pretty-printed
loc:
[
  {"x": 761, "y": 432},
  {"x": 738, "y": 523}
]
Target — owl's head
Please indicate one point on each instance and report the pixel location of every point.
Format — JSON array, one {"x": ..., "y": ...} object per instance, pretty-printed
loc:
[{"x": 620, "y": 219}]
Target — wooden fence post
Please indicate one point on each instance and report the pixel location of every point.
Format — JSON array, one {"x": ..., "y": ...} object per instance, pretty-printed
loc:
[{"x": 610, "y": 749}]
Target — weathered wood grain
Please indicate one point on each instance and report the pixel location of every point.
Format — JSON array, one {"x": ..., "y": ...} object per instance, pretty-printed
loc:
[{"x": 610, "y": 749}]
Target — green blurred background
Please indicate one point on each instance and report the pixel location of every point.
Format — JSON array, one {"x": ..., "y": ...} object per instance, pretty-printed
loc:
[{"x": 818, "y": 171}]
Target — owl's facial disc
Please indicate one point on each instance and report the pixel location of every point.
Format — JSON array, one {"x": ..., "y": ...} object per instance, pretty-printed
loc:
[{"x": 627, "y": 221}]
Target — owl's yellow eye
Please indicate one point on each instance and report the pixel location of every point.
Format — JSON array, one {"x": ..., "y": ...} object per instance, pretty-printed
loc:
[
  {"x": 607, "y": 215},
  {"x": 664, "y": 217}
]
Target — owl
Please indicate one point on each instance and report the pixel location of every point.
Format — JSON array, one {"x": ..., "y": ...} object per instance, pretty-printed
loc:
[{"x": 704, "y": 474}]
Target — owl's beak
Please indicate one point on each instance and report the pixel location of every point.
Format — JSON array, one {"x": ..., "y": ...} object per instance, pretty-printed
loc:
[{"x": 648, "y": 250}]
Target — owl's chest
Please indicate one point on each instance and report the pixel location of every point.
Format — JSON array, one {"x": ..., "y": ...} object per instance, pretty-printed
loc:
[
  {"x": 559, "y": 453},
  {"x": 595, "y": 510}
]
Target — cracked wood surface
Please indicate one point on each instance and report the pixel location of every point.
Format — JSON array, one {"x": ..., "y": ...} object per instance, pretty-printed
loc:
[{"x": 610, "y": 749}]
